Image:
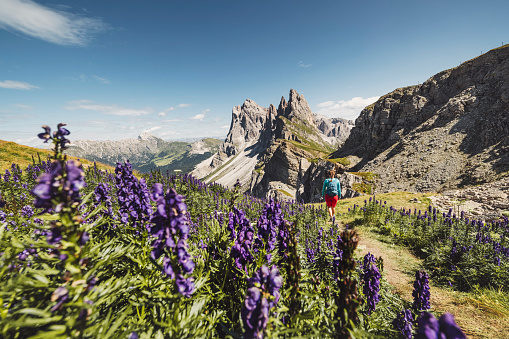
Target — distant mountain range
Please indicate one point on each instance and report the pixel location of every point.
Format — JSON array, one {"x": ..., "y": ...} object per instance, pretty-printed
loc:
[{"x": 147, "y": 152}]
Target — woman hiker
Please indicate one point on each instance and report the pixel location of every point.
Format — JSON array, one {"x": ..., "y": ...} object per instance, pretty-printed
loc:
[{"x": 331, "y": 190}]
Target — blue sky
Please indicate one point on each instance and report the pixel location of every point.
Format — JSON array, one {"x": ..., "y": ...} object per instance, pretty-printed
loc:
[{"x": 113, "y": 69}]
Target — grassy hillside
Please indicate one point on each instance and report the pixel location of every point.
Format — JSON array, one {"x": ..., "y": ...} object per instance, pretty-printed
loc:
[{"x": 11, "y": 152}]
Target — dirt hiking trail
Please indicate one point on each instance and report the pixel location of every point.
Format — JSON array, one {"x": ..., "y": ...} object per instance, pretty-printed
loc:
[{"x": 476, "y": 318}]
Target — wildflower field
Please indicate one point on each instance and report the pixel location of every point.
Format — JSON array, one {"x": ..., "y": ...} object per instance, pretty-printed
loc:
[{"x": 107, "y": 254}]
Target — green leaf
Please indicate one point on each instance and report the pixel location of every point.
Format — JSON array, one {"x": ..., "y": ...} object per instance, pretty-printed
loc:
[
  {"x": 55, "y": 331},
  {"x": 117, "y": 323}
]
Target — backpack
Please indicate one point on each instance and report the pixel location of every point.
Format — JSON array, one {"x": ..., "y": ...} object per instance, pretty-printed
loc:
[{"x": 332, "y": 188}]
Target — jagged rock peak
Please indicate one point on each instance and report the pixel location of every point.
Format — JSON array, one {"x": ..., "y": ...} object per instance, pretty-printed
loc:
[
  {"x": 297, "y": 106},
  {"x": 146, "y": 136},
  {"x": 249, "y": 120},
  {"x": 249, "y": 106}
]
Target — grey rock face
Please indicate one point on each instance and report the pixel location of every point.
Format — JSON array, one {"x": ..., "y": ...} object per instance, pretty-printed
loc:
[
  {"x": 450, "y": 132},
  {"x": 309, "y": 186},
  {"x": 248, "y": 127},
  {"x": 282, "y": 164},
  {"x": 336, "y": 129}
]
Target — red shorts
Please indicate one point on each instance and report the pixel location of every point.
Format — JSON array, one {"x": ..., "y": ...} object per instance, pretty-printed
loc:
[{"x": 331, "y": 201}]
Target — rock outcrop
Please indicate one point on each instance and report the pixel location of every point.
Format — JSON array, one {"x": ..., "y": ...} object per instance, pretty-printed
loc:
[
  {"x": 450, "y": 132},
  {"x": 310, "y": 182},
  {"x": 485, "y": 202}
]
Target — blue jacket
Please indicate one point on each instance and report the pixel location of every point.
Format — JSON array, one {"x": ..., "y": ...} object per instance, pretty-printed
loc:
[{"x": 326, "y": 182}]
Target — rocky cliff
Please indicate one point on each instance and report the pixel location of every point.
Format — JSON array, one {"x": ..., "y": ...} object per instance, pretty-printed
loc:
[
  {"x": 452, "y": 131},
  {"x": 266, "y": 148}
]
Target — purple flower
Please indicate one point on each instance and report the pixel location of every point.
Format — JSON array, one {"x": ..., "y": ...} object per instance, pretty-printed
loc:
[
  {"x": 261, "y": 296},
  {"x": 243, "y": 234},
  {"x": 133, "y": 196},
  {"x": 27, "y": 211},
  {"x": 171, "y": 230},
  {"x": 421, "y": 292},
  {"x": 445, "y": 328},
  {"x": 46, "y": 135},
  {"x": 102, "y": 195},
  {"x": 237, "y": 220},
  {"x": 58, "y": 136},
  {"x": 403, "y": 323},
  {"x": 48, "y": 184},
  {"x": 338, "y": 256},
  {"x": 54, "y": 236},
  {"x": 371, "y": 278},
  {"x": 185, "y": 286},
  {"x": 269, "y": 222}
]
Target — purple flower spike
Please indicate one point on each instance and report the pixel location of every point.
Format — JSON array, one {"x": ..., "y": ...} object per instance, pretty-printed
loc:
[
  {"x": 449, "y": 327},
  {"x": 403, "y": 323},
  {"x": 261, "y": 296},
  {"x": 171, "y": 230},
  {"x": 428, "y": 327},
  {"x": 371, "y": 278},
  {"x": 421, "y": 292}
]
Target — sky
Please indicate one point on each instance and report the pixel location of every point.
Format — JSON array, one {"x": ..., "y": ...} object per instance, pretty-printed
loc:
[{"x": 111, "y": 70}]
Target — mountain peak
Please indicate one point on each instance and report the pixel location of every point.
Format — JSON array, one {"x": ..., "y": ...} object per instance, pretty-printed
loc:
[{"x": 144, "y": 136}]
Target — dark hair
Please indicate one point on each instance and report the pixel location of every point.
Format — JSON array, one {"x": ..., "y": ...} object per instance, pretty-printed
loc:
[{"x": 331, "y": 173}]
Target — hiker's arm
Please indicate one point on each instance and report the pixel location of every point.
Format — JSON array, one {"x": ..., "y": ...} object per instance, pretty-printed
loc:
[{"x": 339, "y": 189}]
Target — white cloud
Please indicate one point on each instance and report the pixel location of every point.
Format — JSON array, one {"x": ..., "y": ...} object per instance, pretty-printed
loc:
[
  {"x": 83, "y": 77},
  {"x": 172, "y": 120},
  {"x": 24, "y": 107},
  {"x": 348, "y": 109},
  {"x": 16, "y": 84},
  {"x": 184, "y": 105},
  {"x": 200, "y": 117},
  {"x": 225, "y": 126},
  {"x": 55, "y": 26},
  {"x": 106, "y": 109},
  {"x": 302, "y": 64},
  {"x": 171, "y": 108},
  {"x": 155, "y": 128},
  {"x": 162, "y": 114},
  {"x": 326, "y": 104},
  {"x": 100, "y": 79}
]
